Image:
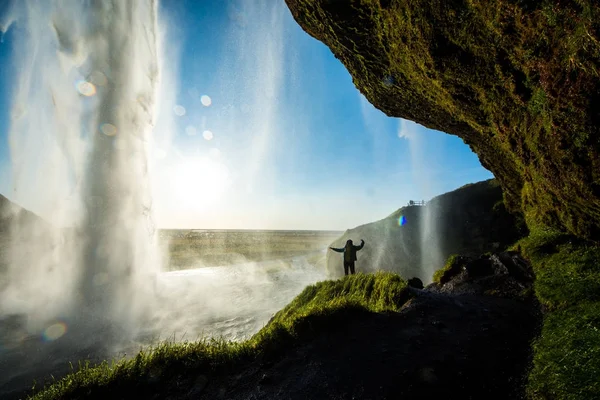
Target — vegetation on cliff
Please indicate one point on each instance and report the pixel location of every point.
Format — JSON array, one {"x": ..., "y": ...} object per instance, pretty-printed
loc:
[
  {"x": 163, "y": 370},
  {"x": 566, "y": 361},
  {"x": 517, "y": 80}
]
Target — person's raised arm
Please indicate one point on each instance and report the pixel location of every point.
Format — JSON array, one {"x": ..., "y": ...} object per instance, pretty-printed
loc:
[
  {"x": 338, "y": 250},
  {"x": 362, "y": 244}
]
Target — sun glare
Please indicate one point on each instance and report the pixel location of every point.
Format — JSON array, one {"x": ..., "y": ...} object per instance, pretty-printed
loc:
[{"x": 199, "y": 183}]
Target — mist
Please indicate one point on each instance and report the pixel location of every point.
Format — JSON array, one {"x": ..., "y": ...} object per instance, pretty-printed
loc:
[
  {"x": 430, "y": 250},
  {"x": 91, "y": 115}
]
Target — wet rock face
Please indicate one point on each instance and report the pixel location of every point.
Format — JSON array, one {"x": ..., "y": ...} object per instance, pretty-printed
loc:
[
  {"x": 518, "y": 81},
  {"x": 504, "y": 274}
]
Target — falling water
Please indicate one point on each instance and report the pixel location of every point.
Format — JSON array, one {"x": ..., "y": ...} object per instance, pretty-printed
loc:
[
  {"x": 90, "y": 84},
  {"x": 84, "y": 107},
  {"x": 430, "y": 246}
]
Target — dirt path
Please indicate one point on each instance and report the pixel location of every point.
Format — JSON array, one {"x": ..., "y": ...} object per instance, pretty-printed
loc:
[{"x": 467, "y": 347}]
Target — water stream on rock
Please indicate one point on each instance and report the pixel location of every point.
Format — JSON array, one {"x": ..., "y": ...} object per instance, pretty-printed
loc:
[{"x": 430, "y": 250}]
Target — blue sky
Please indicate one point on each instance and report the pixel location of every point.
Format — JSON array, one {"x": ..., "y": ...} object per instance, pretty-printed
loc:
[{"x": 286, "y": 141}]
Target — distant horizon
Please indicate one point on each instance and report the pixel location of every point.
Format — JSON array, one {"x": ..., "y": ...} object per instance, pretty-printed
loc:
[
  {"x": 251, "y": 230},
  {"x": 257, "y": 126},
  {"x": 281, "y": 229}
]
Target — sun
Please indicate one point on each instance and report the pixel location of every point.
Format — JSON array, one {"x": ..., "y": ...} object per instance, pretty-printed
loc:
[{"x": 198, "y": 183}]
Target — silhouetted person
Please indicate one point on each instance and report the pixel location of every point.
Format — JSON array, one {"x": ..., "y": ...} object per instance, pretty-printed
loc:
[{"x": 349, "y": 254}]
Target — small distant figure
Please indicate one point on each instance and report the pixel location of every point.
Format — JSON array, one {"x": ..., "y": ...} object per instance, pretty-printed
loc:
[{"x": 349, "y": 254}]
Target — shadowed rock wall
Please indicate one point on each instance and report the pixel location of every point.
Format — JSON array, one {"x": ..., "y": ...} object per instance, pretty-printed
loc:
[{"x": 518, "y": 81}]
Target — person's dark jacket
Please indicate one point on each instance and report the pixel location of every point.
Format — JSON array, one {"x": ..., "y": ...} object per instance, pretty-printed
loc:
[{"x": 349, "y": 250}]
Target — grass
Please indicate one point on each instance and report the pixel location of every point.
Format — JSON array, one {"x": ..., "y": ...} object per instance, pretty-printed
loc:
[
  {"x": 171, "y": 367},
  {"x": 566, "y": 361},
  {"x": 152, "y": 371},
  {"x": 451, "y": 268}
]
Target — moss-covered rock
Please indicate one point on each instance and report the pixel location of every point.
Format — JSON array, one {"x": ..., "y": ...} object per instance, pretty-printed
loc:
[{"x": 517, "y": 80}]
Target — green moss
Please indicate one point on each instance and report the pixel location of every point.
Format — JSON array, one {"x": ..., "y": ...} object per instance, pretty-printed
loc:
[
  {"x": 453, "y": 266},
  {"x": 163, "y": 369},
  {"x": 566, "y": 362},
  {"x": 567, "y": 269},
  {"x": 517, "y": 81}
]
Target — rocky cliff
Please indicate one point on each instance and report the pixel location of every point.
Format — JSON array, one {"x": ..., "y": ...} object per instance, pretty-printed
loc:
[
  {"x": 468, "y": 220},
  {"x": 517, "y": 80}
]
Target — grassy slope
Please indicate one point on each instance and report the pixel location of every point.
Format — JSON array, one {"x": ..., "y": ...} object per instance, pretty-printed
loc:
[
  {"x": 566, "y": 361},
  {"x": 566, "y": 355},
  {"x": 161, "y": 370}
]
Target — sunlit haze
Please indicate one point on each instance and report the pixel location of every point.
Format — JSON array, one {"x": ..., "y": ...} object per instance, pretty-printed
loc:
[
  {"x": 120, "y": 117},
  {"x": 258, "y": 127}
]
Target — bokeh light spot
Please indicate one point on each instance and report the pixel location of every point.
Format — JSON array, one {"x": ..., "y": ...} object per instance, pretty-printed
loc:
[
  {"x": 208, "y": 135},
  {"x": 179, "y": 110},
  {"x": 190, "y": 130},
  {"x": 205, "y": 100},
  {"x": 108, "y": 129},
  {"x": 86, "y": 88},
  {"x": 389, "y": 81},
  {"x": 402, "y": 220},
  {"x": 54, "y": 331}
]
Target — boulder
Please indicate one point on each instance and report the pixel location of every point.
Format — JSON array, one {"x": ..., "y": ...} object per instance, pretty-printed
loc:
[{"x": 504, "y": 274}]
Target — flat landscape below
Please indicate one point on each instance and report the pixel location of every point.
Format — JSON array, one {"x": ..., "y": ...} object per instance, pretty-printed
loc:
[{"x": 199, "y": 248}]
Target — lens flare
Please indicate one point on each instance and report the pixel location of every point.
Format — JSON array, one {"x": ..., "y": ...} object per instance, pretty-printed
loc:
[
  {"x": 54, "y": 331},
  {"x": 389, "y": 81},
  {"x": 402, "y": 220},
  {"x": 205, "y": 100},
  {"x": 208, "y": 135},
  {"x": 86, "y": 88},
  {"x": 179, "y": 110},
  {"x": 108, "y": 129}
]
